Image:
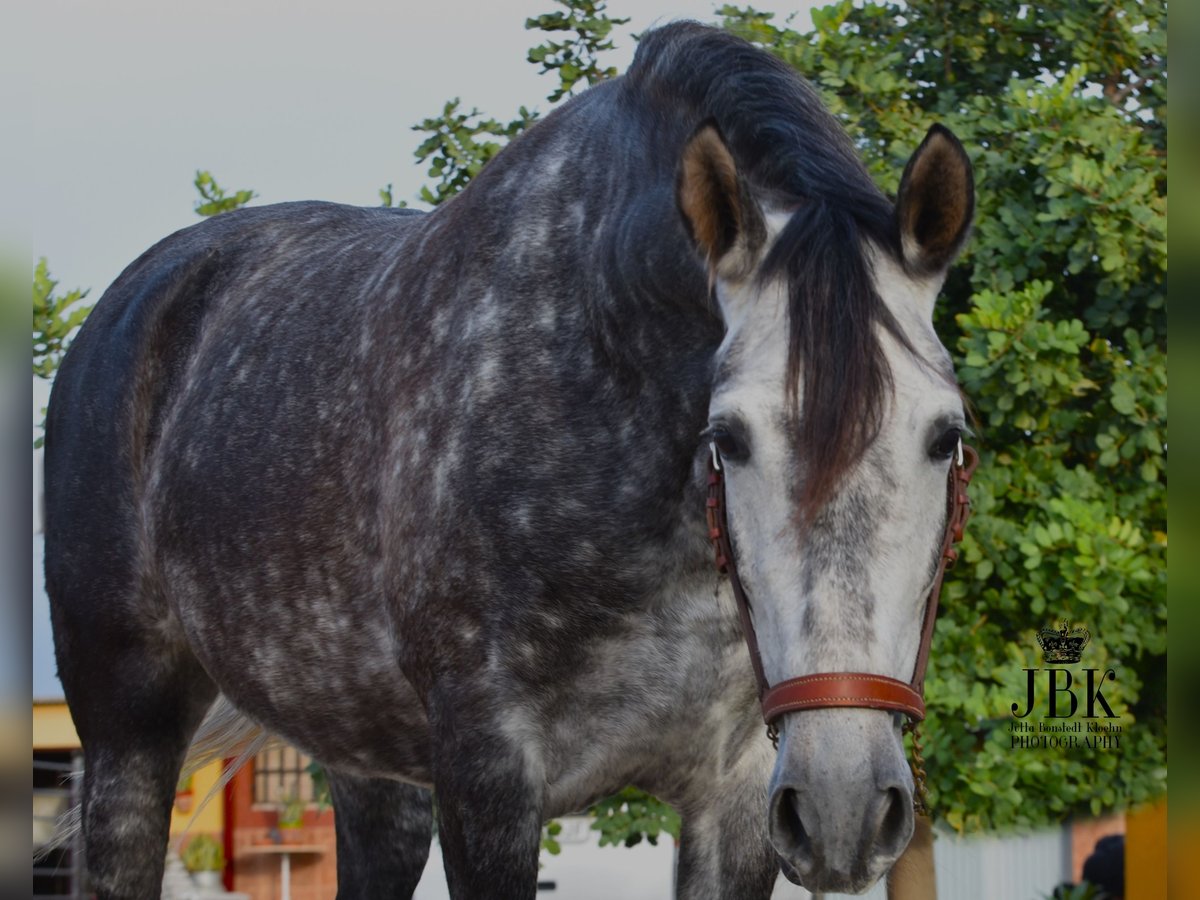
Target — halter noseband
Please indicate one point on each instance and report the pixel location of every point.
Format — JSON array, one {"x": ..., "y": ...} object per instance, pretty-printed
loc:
[{"x": 830, "y": 689}]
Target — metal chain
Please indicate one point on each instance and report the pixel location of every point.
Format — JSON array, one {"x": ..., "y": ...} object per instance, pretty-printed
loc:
[{"x": 920, "y": 792}]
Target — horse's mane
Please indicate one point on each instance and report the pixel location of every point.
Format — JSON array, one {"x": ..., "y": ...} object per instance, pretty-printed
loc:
[{"x": 797, "y": 157}]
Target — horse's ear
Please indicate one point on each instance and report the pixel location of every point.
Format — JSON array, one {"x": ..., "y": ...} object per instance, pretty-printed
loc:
[
  {"x": 935, "y": 203},
  {"x": 718, "y": 210}
]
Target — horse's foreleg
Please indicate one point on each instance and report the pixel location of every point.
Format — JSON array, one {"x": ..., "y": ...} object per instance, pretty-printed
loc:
[
  {"x": 489, "y": 807},
  {"x": 724, "y": 850},
  {"x": 383, "y": 833}
]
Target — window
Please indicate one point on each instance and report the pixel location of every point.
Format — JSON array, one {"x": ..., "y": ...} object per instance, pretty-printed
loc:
[{"x": 281, "y": 775}]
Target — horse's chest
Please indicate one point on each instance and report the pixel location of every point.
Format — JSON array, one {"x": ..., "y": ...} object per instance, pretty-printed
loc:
[{"x": 663, "y": 694}]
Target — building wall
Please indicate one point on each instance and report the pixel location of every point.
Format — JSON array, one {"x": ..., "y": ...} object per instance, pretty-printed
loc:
[
  {"x": 53, "y": 728},
  {"x": 257, "y": 864},
  {"x": 1085, "y": 833}
]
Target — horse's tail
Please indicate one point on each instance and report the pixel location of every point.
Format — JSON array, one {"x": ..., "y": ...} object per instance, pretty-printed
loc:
[{"x": 225, "y": 733}]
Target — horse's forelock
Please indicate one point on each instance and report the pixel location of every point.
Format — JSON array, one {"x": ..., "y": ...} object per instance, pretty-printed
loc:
[
  {"x": 796, "y": 155},
  {"x": 838, "y": 378}
]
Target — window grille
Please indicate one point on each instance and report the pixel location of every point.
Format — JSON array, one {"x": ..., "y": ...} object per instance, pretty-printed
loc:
[
  {"x": 57, "y": 874},
  {"x": 281, "y": 775}
]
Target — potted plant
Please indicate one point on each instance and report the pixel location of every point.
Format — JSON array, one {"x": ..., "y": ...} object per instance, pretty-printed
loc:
[
  {"x": 205, "y": 860},
  {"x": 183, "y": 794},
  {"x": 291, "y": 818}
]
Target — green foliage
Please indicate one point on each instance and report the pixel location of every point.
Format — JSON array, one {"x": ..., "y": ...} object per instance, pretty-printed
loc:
[
  {"x": 204, "y": 854},
  {"x": 1057, "y": 318},
  {"x": 213, "y": 199},
  {"x": 459, "y": 145},
  {"x": 55, "y": 318},
  {"x": 626, "y": 817},
  {"x": 320, "y": 782},
  {"x": 291, "y": 812},
  {"x": 576, "y": 60},
  {"x": 550, "y": 832},
  {"x": 387, "y": 199}
]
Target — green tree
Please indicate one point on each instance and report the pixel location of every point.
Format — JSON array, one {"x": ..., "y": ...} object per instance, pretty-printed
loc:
[
  {"x": 575, "y": 60},
  {"x": 459, "y": 145},
  {"x": 631, "y": 814},
  {"x": 55, "y": 318}
]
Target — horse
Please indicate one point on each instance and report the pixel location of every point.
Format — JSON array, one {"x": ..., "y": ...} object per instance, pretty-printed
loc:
[{"x": 424, "y": 493}]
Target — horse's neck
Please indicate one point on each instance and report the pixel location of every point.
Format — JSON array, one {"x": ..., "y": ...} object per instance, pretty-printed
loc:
[{"x": 562, "y": 233}]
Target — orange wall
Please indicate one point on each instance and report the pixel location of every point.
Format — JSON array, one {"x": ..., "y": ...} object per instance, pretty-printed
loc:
[{"x": 1146, "y": 853}]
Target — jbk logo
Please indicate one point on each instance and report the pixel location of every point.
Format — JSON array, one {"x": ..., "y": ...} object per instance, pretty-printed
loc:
[
  {"x": 1065, "y": 696},
  {"x": 1064, "y": 703}
]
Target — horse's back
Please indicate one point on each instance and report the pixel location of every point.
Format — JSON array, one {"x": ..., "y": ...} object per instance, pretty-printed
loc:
[{"x": 125, "y": 368}]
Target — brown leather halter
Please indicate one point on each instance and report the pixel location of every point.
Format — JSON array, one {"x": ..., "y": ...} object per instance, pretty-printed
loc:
[{"x": 828, "y": 689}]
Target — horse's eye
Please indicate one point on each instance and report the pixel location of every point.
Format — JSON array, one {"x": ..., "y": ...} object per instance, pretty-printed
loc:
[
  {"x": 729, "y": 446},
  {"x": 945, "y": 446}
]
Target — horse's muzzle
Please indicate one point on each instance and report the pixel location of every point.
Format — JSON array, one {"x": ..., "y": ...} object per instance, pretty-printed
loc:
[{"x": 841, "y": 809}]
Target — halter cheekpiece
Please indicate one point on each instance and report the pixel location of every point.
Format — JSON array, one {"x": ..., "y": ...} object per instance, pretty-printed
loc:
[{"x": 841, "y": 689}]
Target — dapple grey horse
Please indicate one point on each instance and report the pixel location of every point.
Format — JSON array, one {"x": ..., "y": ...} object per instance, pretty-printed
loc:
[{"x": 423, "y": 494}]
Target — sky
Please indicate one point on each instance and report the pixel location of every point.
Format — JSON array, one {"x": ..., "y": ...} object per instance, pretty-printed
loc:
[{"x": 294, "y": 99}]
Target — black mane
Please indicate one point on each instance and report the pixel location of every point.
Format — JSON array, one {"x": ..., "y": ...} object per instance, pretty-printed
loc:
[{"x": 797, "y": 157}]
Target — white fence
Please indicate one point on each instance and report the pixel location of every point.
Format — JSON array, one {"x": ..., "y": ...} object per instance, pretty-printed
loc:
[{"x": 1010, "y": 868}]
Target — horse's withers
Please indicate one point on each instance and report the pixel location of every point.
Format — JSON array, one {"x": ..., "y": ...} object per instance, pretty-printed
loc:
[{"x": 836, "y": 532}]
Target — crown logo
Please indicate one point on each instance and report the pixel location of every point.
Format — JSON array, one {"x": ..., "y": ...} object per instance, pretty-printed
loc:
[{"x": 1064, "y": 645}]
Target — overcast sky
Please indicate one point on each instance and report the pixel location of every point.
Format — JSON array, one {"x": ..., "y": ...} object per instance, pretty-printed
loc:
[{"x": 297, "y": 100}]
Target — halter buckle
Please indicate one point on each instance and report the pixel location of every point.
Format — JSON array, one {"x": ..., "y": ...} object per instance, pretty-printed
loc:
[{"x": 716, "y": 456}]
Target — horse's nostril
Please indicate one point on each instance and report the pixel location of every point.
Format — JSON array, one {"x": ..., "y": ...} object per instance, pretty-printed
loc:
[
  {"x": 894, "y": 824},
  {"x": 790, "y": 834}
]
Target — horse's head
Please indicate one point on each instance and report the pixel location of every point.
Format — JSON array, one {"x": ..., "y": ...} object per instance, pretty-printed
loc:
[{"x": 836, "y": 417}]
